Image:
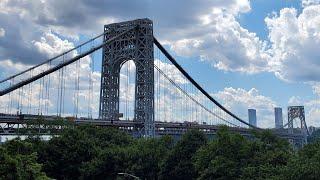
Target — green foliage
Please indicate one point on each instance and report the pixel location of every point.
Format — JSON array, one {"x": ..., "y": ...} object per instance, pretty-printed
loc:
[
  {"x": 18, "y": 161},
  {"x": 88, "y": 152},
  {"x": 140, "y": 158},
  {"x": 145, "y": 155},
  {"x": 178, "y": 164},
  {"x": 268, "y": 157},
  {"x": 64, "y": 155},
  {"x": 107, "y": 163},
  {"x": 222, "y": 157},
  {"x": 305, "y": 164},
  {"x": 232, "y": 156}
]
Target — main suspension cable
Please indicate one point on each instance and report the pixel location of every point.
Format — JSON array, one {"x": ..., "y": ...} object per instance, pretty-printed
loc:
[{"x": 190, "y": 97}]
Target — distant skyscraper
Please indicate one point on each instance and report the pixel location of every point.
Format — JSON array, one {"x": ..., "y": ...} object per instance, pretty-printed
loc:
[
  {"x": 278, "y": 117},
  {"x": 252, "y": 117}
]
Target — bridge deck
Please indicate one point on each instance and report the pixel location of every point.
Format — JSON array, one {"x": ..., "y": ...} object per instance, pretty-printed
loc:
[{"x": 9, "y": 125}]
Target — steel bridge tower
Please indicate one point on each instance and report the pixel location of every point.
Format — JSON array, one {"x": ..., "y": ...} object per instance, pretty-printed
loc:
[
  {"x": 297, "y": 112},
  {"x": 136, "y": 45}
]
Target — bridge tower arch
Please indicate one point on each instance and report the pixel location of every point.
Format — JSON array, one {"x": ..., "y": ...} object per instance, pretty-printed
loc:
[
  {"x": 135, "y": 45},
  {"x": 297, "y": 112}
]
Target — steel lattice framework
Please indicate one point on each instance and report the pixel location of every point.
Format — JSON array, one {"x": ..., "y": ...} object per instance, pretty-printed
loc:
[
  {"x": 297, "y": 112},
  {"x": 136, "y": 45}
]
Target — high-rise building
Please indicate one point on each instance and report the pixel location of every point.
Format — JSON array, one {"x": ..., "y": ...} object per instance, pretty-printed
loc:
[
  {"x": 278, "y": 118},
  {"x": 252, "y": 117}
]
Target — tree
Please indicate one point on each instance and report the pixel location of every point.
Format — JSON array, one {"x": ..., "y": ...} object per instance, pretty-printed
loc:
[
  {"x": 232, "y": 156},
  {"x": 178, "y": 164},
  {"x": 146, "y": 155},
  {"x": 268, "y": 157},
  {"x": 305, "y": 164},
  {"x": 63, "y": 156},
  {"x": 222, "y": 157},
  {"x": 142, "y": 158},
  {"x": 89, "y": 152},
  {"x": 18, "y": 161},
  {"x": 106, "y": 164},
  {"x": 77, "y": 151}
]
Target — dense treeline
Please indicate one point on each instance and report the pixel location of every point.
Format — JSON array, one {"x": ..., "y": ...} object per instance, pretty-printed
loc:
[{"x": 102, "y": 153}]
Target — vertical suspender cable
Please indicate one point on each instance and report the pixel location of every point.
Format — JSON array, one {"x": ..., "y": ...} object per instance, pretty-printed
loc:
[
  {"x": 22, "y": 98},
  {"x": 62, "y": 89},
  {"x": 39, "y": 96},
  {"x": 78, "y": 84},
  {"x": 48, "y": 91},
  {"x": 29, "y": 96},
  {"x": 91, "y": 66},
  {"x": 58, "y": 91},
  {"x": 159, "y": 84},
  {"x": 19, "y": 100},
  {"x": 42, "y": 94},
  {"x": 75, "y": 90},
  {"x": 126, "y": 89},
  {"x": 91, "y": 90}
]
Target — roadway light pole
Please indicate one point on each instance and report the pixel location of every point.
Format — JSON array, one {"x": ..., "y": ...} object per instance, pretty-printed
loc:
[{"x": 129, "y": 175}]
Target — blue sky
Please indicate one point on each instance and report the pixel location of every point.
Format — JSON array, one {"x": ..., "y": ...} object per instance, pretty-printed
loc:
[
  {"x": 265, "y": 82},
  {"x": 254, "y": 20},
  {"x": 248, "y": 54}
]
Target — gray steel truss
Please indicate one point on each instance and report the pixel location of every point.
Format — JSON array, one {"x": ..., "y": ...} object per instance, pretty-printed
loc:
[
  {"x": 136, "y": 45},
  {"x": 297, "y": 112}
]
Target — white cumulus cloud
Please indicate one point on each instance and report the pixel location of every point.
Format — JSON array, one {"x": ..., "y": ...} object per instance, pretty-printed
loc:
[
  {"x": 51, "y": 45},
  {"x": 295, "y": 40},
  {"x": 240, "y": 100}
]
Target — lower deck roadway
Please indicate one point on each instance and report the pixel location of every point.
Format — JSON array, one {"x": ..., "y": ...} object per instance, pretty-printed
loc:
[{"x": 9, "y": 125}]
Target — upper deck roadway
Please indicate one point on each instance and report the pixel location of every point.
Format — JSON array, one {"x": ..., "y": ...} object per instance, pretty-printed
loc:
[{"x": 9, "y": 126}]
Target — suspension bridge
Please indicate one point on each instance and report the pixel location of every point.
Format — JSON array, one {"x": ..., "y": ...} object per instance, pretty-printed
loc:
[{"x": 140, "y": 89}]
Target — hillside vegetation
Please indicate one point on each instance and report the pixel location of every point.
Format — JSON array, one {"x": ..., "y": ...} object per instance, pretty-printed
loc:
[{"x": 101, "y": 153}]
